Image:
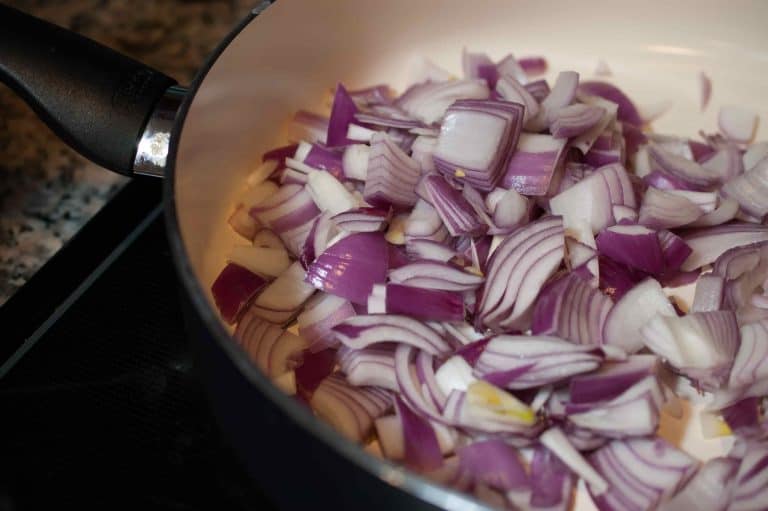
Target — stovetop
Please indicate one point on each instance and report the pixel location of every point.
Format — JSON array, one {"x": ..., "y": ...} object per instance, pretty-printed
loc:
[{"x": 101, "y": 407}]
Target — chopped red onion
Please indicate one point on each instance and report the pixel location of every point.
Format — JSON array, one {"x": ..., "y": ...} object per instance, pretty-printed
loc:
[
  {"x": 435, "y": 275},
  {"x": 557, "y": 443},
  {"x": 533, "y": 164},
  {"x": 289, "y": 213},
  {"x": 422, "y": 451},
  {"x": 509, "y": 67},
  {"x": 362, "y": 219},
  {"x": 737, "y": 124},
  {"x": 511, "y": 90},
  {"x": 571, "y": 309},
  {"x": 701, "y": 345},
  {"x": 270, "y": 347},
  {"x": 551, "y": 482},
  {"x": 350, "y": 410},
  {"x": 457, "y": 214},
  {"x": 350, "y": 267},
  {"x": 562, "y": 94},
  {"x": 640, "y": 473},
  {"x": 709, "y": 293},
  {"x": 522, "y": 362},
  {"x": 664, "y": 210},
  {"x": 638, "y": 306},
  {"x": 476, "y": 139},
  {"x": 539, "y": 89},
  {"x": 374, "y": 366},
  {"x": 751, "y": 484},
  {"x": 750, "y": 190},
  {"x": 326, "y": 159},
  {"x": 233, "y": 289},
  {"x": 342, "y": 114},
  {"x": 633, "y": 245},
  {"x": 750, "y": 364},
  {"x": 533, "y": 66},
  {"x": 268, "y": 262},
  {"x": 425, "y": 304},
  {"x": 627, "y": 111},
  {"x": 574, "y": 120},
  {"x": 281, "y": 300},
  {"x": 711, "y": 242},
  {"x": 674, "y": 251},
  {"x": 391, "y": 176},
  {"x": 479, "y": 65},
  {"x": 494, "y": 463},
  {"x": 428, "y": 102},
  {"x": 710, "y": 489},
  {"x": 517, "y": 271},
  {"x": 705, "y": 90},
  {"x": 320, "y": 315},
  {"x": 329, "y": 194},
  {"x": 362, "y": 331}
]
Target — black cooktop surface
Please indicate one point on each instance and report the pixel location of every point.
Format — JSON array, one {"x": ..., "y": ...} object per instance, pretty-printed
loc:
[{"x": 101, "y": 407}]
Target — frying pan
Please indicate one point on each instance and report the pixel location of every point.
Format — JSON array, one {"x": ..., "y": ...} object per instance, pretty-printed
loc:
[{"x": 205, "y": 138}]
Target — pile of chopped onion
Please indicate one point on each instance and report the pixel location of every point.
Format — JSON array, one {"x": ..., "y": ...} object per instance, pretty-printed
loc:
[{"x": 477, "y": 269}]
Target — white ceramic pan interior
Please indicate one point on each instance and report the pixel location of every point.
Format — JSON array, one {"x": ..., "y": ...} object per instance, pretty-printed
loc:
[{"x": 291, "y": 55}]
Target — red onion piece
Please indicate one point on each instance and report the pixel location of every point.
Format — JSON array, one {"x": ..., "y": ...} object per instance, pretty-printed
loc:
[
  {"x": 710, "y": 242},
  {"x": 533, "y": 164},
  {"x": 674, "y": 251},
  {"x": 422, "y": 451},
  {"x": 479, "y": 65},
  {"x": 571, "y": 309},
  {"x": 557, "y": 443},
  {"x": 701, "y": 345},
  {"x": 374, "y": 95},
  {"x": 665, "y": 210},
  {"x": 627, "y": 111},
  {"x": 750, "y": 189},
  {"x": 326, "y": 159},
  {"x": 678, "y": 167},
  {"x": 391, "y": 176},
  {"x": 362, "y": 219},
  {"x": 633, "y": 245},
  {"x": 522, "y": 362},
  {"x": 751, "y": 485},
  {"x": 456, "y": 212},
  {"x": 279, "y": 153},
  {"x": 509, "y": 67},
  {"x": 289, "y": 213},
  {"x": 640, "y": 473},
  {"x": 270, "y": 347},
  {"x": 428, "y": 249},
  {"x": 435, "y": 275},
  {"x": 342, "y": 113},
  {"x": 539, "y": 89},
  {"x": 638, "y": 306},
  {"x": 562, "y": 94},
  {"x": 374, "y": 366},
  {"x": 350, "y": 410},
  {"x": 737, "y": 124},
  {"x": 312, "y": 370},
  {"x": 424, "y": 304},
  {"x": 233, "y": 289},
  {"x": 551, "y": 482},
  {"x": 424, "y": 223},
  {"x": 494, "y": 463},
  {"x": 243, "y": 223},
  {"x": 350, "y": 267},
  {"x": 476, "y": 139},
  {"x": 267, "y": 262},
  {"x": 750, "y": 365},
  {"x": 320, "y": 315},
  {"x": 281, "y": 299},
  {"x": 362, "y": 331},
  {"x": 705, "y": 90},
  {"x": 517, "y": 271},
  {"x": 573, "y": 120},
  {"x": 709, "y": 293},
  {"x": 428, "y": 102},
  {"x": 710, "y": 489},
  {"x": 511, "y": 90},
  {"x": 533, "y": 66}
]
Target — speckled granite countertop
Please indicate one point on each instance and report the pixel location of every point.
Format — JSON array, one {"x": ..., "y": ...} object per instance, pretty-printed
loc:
[{"x": 47, "y": 192}]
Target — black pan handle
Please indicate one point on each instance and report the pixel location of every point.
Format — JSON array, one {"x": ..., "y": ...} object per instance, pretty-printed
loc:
[{"x": 97, "y": 100}]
